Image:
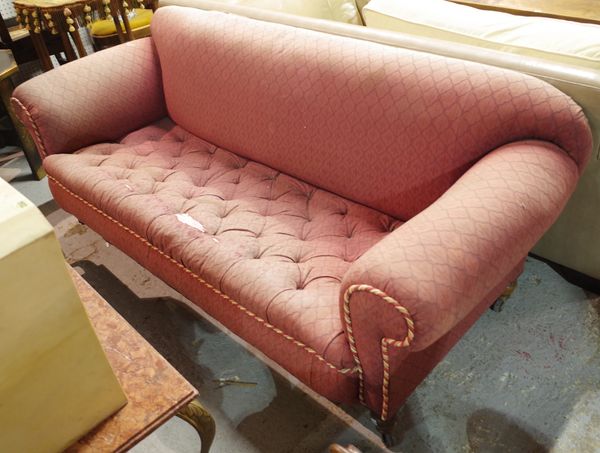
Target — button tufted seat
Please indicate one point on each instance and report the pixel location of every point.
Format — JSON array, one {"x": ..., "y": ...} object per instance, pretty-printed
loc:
[{"x": 277, "y": 245}]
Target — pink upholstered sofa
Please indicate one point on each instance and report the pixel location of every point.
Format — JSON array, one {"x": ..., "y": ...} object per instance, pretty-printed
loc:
[{"x": 348, "y": 208}]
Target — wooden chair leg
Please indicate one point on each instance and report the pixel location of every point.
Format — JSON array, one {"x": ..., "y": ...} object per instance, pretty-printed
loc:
[
  {"x": 40, "y": 45},
  {"x": 197, "y": 416},
  {"x": 73, "y": 28}
]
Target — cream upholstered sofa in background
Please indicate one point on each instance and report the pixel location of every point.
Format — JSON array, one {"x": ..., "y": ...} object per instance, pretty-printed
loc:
[
  {"x": 565, "y": 54},
  {"x": 345, "y": 11}
]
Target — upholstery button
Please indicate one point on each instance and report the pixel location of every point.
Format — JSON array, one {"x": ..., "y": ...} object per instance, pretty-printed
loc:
[{"x": 301, "y": 260}]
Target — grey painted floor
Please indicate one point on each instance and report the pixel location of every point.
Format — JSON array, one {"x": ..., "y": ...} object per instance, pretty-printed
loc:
[{"x": 523, "y": 380}]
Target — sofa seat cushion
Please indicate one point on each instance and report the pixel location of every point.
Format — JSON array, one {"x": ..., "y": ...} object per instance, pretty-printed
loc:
[{"x": 274, "y": 244}]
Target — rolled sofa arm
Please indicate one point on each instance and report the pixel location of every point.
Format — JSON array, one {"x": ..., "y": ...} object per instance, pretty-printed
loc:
[
  {"x": 98, "y": 98},
  {"x": 420, "y": 281}
]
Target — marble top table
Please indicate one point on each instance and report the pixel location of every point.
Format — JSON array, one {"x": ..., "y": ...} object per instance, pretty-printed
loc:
[{"x": 155, "y": 390}]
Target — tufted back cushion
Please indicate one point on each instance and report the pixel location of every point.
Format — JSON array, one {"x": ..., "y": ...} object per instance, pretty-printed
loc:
[{"x": 386, "y": 127}]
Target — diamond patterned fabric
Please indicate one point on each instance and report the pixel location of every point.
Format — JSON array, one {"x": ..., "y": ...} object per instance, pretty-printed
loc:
[
  {"x": 441, "y": 264},
  {"x": 387, "y": 127},
  {"x": 87, "y": 101}
]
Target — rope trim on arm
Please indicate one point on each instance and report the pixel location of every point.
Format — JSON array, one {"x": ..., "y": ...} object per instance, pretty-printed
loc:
[{"x": 385, "y": 342}]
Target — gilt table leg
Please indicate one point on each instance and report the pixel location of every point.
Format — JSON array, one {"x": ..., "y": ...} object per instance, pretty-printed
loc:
[{"x": 195, "y": 414}]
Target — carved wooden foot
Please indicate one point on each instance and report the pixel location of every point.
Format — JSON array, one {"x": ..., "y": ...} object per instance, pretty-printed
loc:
[
  {"x": 195, "y": 414},
  {"x": 385, "y": 428},
  {"x": 499, "y": 304}
]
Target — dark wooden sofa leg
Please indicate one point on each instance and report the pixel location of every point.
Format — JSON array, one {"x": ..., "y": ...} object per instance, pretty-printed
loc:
[
  {"x": 499, "y": 304},
  {"x": 385, "y": 428}
]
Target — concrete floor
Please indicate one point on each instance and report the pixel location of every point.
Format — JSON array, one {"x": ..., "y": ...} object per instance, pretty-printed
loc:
[{"x": 523, "y": 380}]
